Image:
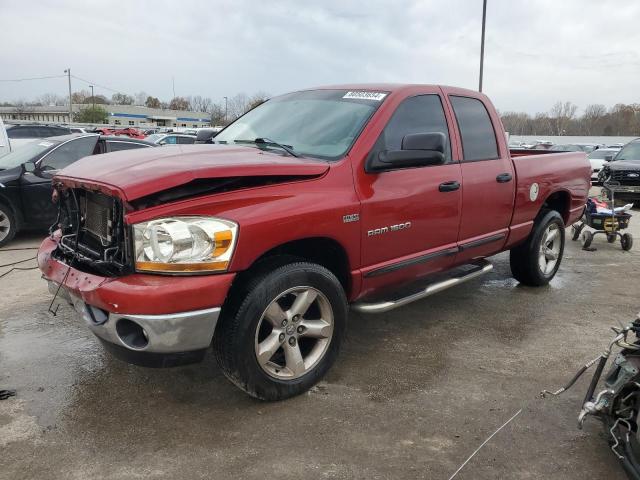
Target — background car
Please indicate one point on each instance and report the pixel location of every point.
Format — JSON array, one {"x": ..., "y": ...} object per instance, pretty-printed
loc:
[
  {"x": 22, "y": 134},
  {"x": 26, "y": 173},
  {"x": 5, "y": 146},
  {"x": 598, "y": 158},
  {"x": 575, "y": 147},
  {"x": 171, "y": 139},
  {"x": 206, "y": 135}
]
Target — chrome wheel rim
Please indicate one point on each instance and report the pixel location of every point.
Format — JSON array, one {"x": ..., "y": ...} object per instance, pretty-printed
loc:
[
  {"x": 294, "y": 333},
  {"x": 549, "y": 249},
  {"x": 5, "y": 225}
]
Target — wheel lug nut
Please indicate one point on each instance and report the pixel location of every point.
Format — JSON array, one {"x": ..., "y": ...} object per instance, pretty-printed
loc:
[
  {"x": 296, "y": 318},
  {"x": 281, "y": 337},
  {"x": 292, "y": 341},
  {"x": 300, "y": 329},
  {"x": 284, "y": 322}
]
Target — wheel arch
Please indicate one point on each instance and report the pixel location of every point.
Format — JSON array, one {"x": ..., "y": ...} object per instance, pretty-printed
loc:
[
  {"x": 324, "y": 251},
  {"x": 560, "y": 201},
  {"x": 6, "y": 202}
]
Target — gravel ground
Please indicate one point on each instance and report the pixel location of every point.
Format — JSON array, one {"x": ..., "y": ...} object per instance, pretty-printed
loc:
[{"x": 414, "y": 393}]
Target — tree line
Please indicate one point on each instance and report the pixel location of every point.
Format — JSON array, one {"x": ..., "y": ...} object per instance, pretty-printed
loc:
[
  {"x": 221, "y": 112},
  {"x": 562, "y": 119}
]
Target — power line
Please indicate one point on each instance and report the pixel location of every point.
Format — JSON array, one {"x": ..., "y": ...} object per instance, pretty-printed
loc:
[
  {"x": 96, "y": 84},
  {"x": 32, "y": 78}
]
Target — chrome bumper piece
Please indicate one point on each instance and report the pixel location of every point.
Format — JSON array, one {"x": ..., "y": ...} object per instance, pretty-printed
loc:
[{"x": 169, "y": 333}]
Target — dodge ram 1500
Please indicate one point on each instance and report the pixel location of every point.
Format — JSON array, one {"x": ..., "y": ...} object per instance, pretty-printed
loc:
[{"x": 360, "y": 196}]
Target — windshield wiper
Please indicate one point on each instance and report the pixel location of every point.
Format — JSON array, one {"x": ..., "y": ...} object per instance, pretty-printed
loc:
[{"x": 268, "y": 141}]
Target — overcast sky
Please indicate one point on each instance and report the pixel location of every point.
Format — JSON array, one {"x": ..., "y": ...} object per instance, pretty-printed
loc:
[{"x": 537, "y": 52}]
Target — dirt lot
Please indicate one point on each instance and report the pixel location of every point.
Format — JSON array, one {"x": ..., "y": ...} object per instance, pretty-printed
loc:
[{"x": 415, "y": 391}]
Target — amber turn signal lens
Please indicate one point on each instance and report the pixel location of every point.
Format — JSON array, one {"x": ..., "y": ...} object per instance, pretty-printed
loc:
[
  {"x": 223, "y": 241},
  {"x": 181, "y": 267}
]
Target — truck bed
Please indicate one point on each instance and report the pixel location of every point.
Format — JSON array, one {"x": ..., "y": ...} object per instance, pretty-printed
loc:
[{"x": 565, "y": 174}]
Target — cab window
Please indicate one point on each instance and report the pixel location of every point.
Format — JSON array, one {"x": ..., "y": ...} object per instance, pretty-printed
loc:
[
  {"x": 476, "y": 129},
  {"x": 419, "y": 114}
]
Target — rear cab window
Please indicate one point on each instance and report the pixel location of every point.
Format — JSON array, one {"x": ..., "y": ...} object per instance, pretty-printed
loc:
[{"x": 476, "y": 129}]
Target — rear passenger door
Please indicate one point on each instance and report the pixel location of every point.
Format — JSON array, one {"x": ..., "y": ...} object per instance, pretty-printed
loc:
[{"x": 487, "y": 177}]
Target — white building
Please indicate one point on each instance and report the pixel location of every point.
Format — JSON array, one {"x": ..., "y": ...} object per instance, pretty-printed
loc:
[{"x": 119, "y": 115}]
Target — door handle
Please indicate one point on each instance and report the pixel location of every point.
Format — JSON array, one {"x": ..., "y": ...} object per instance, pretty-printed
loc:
[
  {"x": 504, "y": 178},
  {"x": 449, "y": 186}
]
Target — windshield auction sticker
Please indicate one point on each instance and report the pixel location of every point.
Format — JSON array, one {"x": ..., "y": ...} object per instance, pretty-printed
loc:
[{"x": 377, "y": 96}]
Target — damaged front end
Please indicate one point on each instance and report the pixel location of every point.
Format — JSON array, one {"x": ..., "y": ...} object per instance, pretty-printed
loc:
[{"x": 92, "y": 233}]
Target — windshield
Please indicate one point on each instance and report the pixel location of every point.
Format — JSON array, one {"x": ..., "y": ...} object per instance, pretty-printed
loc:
[
  {"x": 27, "y": 152},
  {"x": 155, "y": 137},
  {"x": 316, "y": 123},
  {"x": 629, "y": 152},
  {"x": 601, "y": 154}
]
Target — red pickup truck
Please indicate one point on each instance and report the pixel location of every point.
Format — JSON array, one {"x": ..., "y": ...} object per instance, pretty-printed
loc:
[{"x": 368, "y": 196}]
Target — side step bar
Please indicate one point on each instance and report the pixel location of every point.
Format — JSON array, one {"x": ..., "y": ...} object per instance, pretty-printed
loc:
[{"x": 479, "y": 268}]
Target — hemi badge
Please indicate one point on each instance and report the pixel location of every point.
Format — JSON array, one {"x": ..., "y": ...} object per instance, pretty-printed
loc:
[{"x": 354, "y": 217}]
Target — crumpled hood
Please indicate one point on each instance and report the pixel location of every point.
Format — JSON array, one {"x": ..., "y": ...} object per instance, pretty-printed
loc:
[{"x": 142, "y": 172}]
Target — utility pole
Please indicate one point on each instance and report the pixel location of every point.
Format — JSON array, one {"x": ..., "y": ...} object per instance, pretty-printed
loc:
[
  {"x": 68, "y": 72},
  {"x": 484, "y": 20},
  {"x": 225, "y": 110},
  {"x": 93, "y": 99},
  {"x": 173, "y": 83}
]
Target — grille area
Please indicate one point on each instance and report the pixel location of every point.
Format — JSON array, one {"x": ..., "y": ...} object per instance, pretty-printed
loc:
[
  {"x": 623, "y": 177},
  {"x": 93, "y": 235},
  {"x": 96, "y": 211}
]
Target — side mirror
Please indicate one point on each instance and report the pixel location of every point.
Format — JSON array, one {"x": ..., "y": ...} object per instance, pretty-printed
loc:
[
  {"x": 608, "y": 158},
  {"x": 29, "y": 167},
  {"x": 417, "y": 150}
]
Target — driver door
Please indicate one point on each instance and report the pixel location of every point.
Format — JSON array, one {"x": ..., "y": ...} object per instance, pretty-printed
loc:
[
  {"x": 410, "y": 216},
  {"x": 36, "y": 189}
]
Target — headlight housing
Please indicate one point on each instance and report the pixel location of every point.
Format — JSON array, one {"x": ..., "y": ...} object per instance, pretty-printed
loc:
[{"x": 184, "y": 244}]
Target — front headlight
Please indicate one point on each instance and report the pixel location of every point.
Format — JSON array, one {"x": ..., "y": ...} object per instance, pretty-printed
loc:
[{"x": 184, "y": 244}]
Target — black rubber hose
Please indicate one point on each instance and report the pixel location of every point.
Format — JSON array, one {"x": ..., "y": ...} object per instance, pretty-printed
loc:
[
  {"x": 631, "y": 457},
  {"x": 595, "y": 379}
]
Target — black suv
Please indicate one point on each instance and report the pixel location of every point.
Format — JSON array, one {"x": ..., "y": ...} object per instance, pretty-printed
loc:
[
  {"x": 625, "y": 169},
  {"x": 36, "y": 131},
  {"x": 26, "y": 173}
]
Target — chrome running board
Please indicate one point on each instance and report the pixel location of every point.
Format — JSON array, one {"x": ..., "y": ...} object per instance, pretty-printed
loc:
[{"x": 478, "y": 268}]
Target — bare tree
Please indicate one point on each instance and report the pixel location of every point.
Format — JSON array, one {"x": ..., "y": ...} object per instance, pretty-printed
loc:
[
  {"x": 52, "y": 99},
  {"x": 80, "y": 97},
  {"x": 122, "y": 99},
  {"x": 594, "y": 114},
  {"x": 561, "y": 115},
  {"x": 179, "y": 103},
  {"x": 217, "y": 114},
  {"x": 140, "y": 98},
  {"x": 152, "y": 102},
  {"x": 200, "y": 104}
]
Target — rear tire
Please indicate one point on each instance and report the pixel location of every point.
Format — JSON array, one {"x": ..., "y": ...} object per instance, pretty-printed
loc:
[
  {"x": 626, "y": 241},
  {"x": 268, "y": 344},
  {"x": 8, "y": 225},
  {"x": 536, "y": 261}
]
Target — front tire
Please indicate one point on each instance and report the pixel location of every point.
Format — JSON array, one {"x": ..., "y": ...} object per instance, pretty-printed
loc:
[
  {"x": 8, "y": 225},
  {"x": 284, "y": 333},
  {"x": 536, "y": 261}
]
